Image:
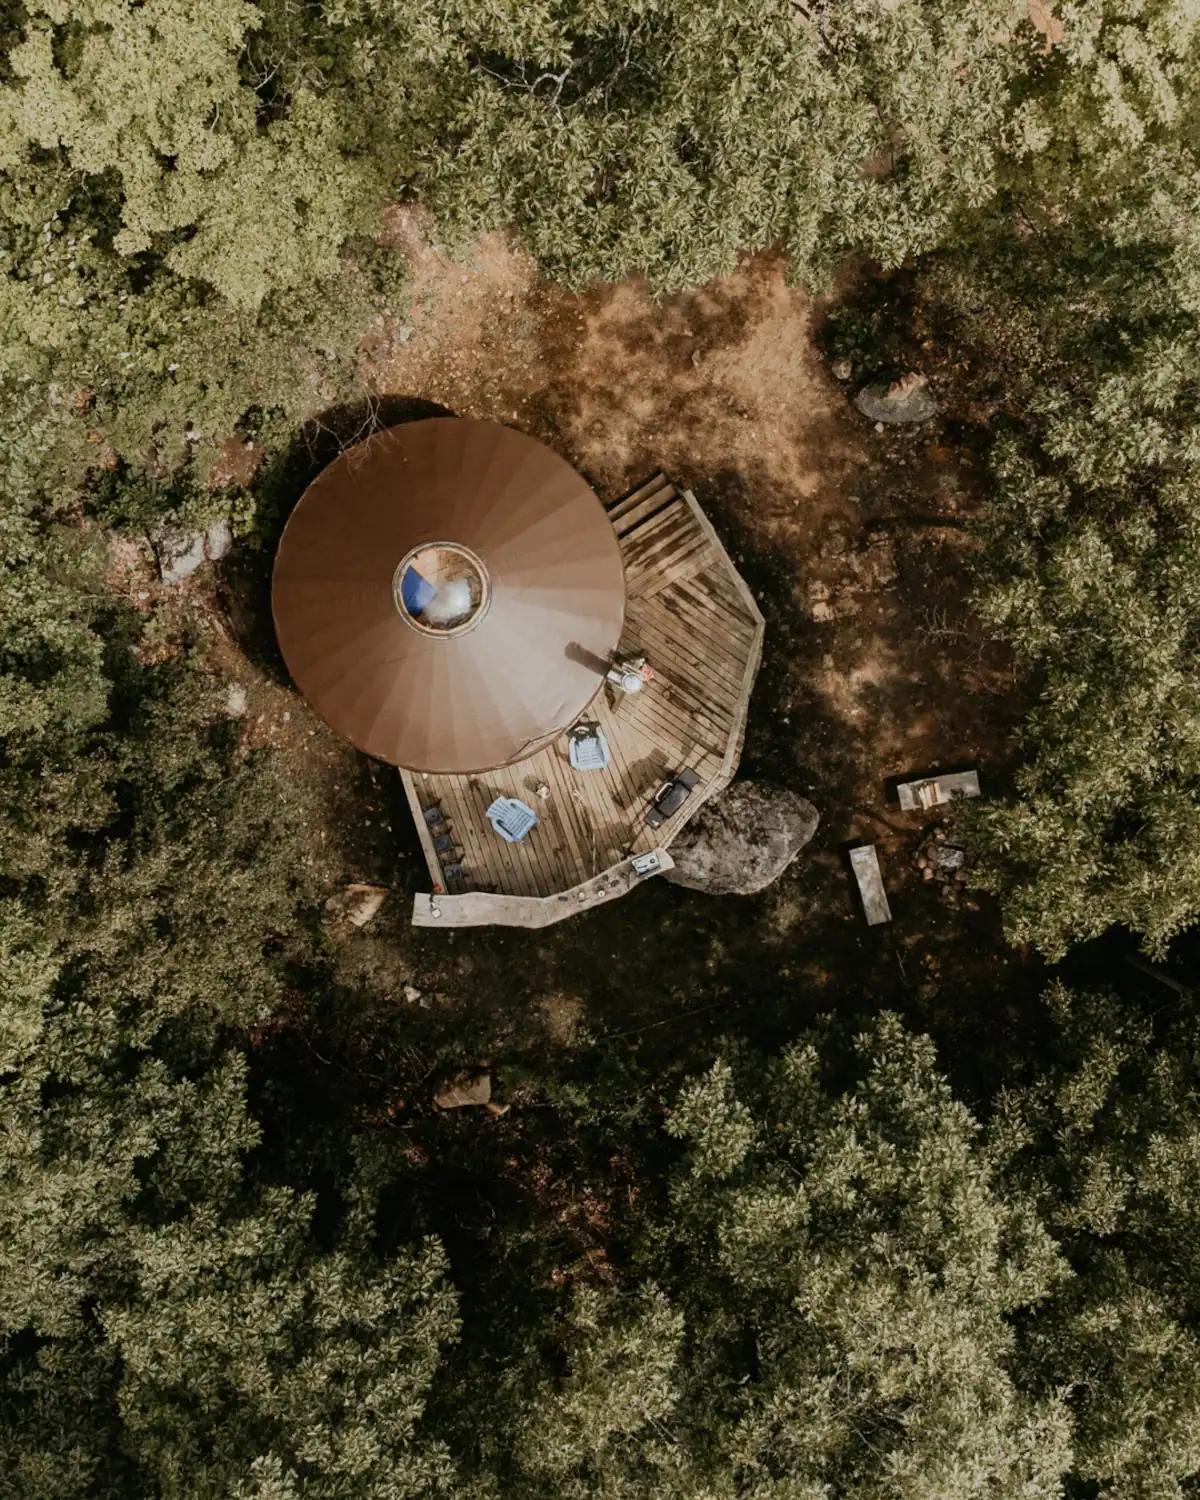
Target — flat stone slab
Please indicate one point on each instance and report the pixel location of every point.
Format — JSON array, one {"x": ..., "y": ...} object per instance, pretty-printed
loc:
[
  {"x": 357, "y": 904},
  {"x": 464, "y": 1089},
  {"x": 908, "y": 399}
]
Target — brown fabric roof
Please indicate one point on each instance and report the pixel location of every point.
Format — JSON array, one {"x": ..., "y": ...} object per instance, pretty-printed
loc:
[{"x": 530, "y": 664}]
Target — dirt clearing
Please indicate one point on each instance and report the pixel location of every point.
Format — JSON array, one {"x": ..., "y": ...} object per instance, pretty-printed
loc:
[{"x": 855, "y": 541}]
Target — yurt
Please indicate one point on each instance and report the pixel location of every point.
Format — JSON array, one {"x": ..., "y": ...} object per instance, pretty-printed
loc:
[
  {"x": 448, "y": 595},
  {"x": 560, "y": 686}
]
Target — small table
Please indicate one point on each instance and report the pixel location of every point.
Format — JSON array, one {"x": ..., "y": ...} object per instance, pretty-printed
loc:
[{"x": 932, "y": 791}]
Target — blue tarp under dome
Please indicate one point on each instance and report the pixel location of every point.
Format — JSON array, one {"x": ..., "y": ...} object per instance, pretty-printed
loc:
[{"x": 417, "y": 592}]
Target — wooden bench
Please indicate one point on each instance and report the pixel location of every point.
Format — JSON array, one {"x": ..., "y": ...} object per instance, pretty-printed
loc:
[{"x": 865, "y": 863}]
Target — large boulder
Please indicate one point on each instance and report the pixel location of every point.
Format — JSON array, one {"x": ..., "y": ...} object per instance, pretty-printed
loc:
[{"x": 741, "y": 841}]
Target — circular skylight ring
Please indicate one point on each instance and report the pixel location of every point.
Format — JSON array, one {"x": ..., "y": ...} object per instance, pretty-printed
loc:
[{"x": 441, "y": 589}]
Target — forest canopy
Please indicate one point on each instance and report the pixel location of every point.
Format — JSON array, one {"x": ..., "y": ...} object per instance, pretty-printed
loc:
[{"x": 844, "y": 1271}]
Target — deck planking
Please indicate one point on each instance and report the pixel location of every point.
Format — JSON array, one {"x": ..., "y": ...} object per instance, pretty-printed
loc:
[{"x": 693, "y": 618}]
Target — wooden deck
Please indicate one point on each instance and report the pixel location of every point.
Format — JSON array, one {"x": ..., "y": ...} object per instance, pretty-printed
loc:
[{"x": 690, "y": 614}]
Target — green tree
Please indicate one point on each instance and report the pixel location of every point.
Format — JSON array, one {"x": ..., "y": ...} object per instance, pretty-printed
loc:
[
  {"x": 624, "y": 1356},
  {"x": 169, "y": 1322},
  {"x": 183, "y": 222},
  {"x": 251, "y": 1365},
  {"x": 1107, "y": 1142},
  {"x": 152, "y": 97},
  {"x": 830, "y": 1306},
  {"x": 667, "y": 139},
  {"x": 1077, "y": 302},
  {"x": 1092, "y": 571},
  {"x": 188, "y": 194}
]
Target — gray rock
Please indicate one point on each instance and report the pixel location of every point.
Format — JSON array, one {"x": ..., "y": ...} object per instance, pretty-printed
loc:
[
  {"x": 464, "y": 1089},
  {"x": 742, "y": 840},
  {"x": 949, "y": 857},
  {"x": 180, "y": 552},
  {"x": 908, "y": 399},
  {"x": 218, "y": 540}
]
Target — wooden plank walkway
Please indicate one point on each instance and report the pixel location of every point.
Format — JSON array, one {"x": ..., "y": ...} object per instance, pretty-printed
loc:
[
  {"x": 479, "y": 908},
  {"x": 690, "y": 614},
  {"x": 864, "y": 861}
]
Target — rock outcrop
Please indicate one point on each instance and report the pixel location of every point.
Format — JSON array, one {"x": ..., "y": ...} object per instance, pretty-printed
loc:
[
  {"x": 742, "y": 840},
  {"x": 908, "y": 399},
  {"x": 180, "y": 553}
]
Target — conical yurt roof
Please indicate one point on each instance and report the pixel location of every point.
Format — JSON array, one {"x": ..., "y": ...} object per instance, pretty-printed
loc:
[{"x": 448, "y": 595}]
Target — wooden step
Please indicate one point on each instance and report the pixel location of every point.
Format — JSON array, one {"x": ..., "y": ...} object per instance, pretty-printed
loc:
[
  {"x": 627, "y": 502},
  {"x": 665, "y": 528},
  {"x": 645, "y": 510}
]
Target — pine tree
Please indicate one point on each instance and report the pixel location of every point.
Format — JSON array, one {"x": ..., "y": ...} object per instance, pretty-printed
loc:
[
  {"x": 830, "y": 1305},
  {"x": 1107, "y": 1142},
  {"x": 168, "y": 1323}
]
